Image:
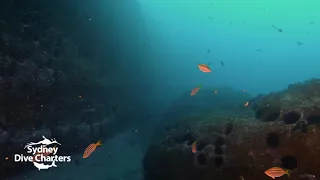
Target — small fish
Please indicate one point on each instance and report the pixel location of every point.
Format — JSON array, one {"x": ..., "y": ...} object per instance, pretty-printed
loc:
[
  {"x": 299, "y": 43},
  {"x": 208, "y": 51},
  {"x": 90, "y": 149},
  {"x": 222, "y": 63},
  {"x": 244, "y": 90},
  {"x": 194, "y": 147},
  {"x": 204, "y": 68},
  {"x": 276, "y": 28},
  {"x": 215, "y": 91},
  {"x": 194, "y": 91},
  {"x": 276, "y": 172},
  {"x": 258, "y": 50},
  {"x": 246, "y": 104},
  {"x": 210, "y": 18}
]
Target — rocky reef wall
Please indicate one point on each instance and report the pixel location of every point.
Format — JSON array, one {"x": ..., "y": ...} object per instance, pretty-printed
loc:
[
  {"x": 59, "y": 77},
  {"x": 283, "y": 132}
]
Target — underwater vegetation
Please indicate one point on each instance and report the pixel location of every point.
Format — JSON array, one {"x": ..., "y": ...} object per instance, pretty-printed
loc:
[{"x": 283, "y": 138}]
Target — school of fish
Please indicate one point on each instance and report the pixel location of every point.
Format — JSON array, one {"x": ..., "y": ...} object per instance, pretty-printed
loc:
[
  {"x": 273, "y": 172},
  {"x": 206, "y": 69}
]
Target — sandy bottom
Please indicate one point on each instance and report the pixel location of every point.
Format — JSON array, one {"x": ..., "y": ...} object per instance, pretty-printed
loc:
[{"x": 119, "y": 158}]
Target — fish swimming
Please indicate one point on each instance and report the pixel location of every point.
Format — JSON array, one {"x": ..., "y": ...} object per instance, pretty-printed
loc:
[
  {"x": 276, "y": 172},
  {"x": 89, "y": 150},
  {"x": 194, "y": 91},
  {"x": 246, "y": 104},
  {"x": 194, "y": 147},
  {"x": 276, "y": 28},
  {"x": 204, "y": 68},
  {"x": 299, "y": 43}
]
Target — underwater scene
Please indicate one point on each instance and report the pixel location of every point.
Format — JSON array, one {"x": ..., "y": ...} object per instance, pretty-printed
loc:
[{"x": 159, "y": 90}]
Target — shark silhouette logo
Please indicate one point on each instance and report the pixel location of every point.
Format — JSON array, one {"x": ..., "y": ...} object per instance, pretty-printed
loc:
[
  {"x": 43, "y": 155},
  {"x": 44, "y": 142},
  {"x": 43, "y": 166}
]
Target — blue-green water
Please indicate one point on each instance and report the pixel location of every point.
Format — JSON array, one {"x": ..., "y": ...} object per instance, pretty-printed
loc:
[{"x": 134, "y": 63}]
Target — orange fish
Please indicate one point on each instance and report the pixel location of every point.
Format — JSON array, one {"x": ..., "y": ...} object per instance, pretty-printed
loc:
[
  {"x": 204, "y": 68},
  {"x": 194, "y": 147},
  {"x": 246, "y": 104},
  {"x": 194, "y": 91},
  {"x": 276, "y": 172},
  {"x": 215, "y": 91},
  {"x": 90, "y": 149}
]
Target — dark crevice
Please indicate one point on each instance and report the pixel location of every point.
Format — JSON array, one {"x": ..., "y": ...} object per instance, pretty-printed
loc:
[
  {"x": 218, "y": 161},
  {"x": 291, "y": 117},
  {"x": 273, "y": 140},
  {"x": 219, "y": 141},
  {"x": 218, "y": 150},
  {"x": 202, "y": 159},
  {"x": 200, "y": 146},
  {"x": 313, "y": 119},
  {"x": 267, "y": 113},
  {"x": 289, "y": 162},
  {"x": 229, "y": 128}
]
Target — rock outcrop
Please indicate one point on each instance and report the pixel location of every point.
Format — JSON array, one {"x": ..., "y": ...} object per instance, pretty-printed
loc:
[
  {"x": 285, "y": 133},
  {"x": 217, "y": 100}
]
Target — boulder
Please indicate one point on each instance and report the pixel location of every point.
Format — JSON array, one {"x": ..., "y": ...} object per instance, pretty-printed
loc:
[{"x": 285, "y": 133}]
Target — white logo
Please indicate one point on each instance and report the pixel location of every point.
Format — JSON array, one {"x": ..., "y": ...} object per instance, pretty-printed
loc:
[{"x": 42, "y": 152}]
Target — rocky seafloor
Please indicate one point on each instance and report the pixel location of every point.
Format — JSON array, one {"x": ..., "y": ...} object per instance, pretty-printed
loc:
[{"x": 283, "y": 131}]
